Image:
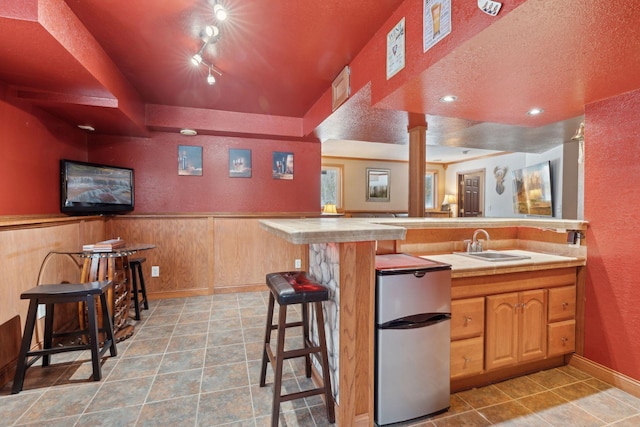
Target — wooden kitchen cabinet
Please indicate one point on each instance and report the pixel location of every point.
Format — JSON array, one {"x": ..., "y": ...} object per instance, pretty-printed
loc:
[
  {"x": 516, "y": 328},
  {"x": 562, "y": 325},
  {"x": 467, "y": 336}
]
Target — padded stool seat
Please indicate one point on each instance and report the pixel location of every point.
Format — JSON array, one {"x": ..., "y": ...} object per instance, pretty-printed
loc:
[
  {"x": 288, "y": 288},
  {"x": 138, "y": 287},
  {"x": 62, "y": 293}
]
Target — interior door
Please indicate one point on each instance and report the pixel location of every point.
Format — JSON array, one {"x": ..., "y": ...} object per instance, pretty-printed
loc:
[{"x": 470, "y": 186}]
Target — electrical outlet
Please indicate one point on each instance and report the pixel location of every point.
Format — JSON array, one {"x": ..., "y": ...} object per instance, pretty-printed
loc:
[
  {"x": 155, "y": 271},
  {"x": 298, "y": 263}
]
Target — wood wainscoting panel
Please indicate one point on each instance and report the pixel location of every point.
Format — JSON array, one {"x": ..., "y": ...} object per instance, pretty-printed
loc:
[
  {"x": 244, "y": 253},
  {"x": 183, "y": 245}
]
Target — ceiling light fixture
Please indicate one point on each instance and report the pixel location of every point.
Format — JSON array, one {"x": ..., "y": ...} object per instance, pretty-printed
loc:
[
  {"x": 210, "y": 34},
  {"x": 188, "y": 132},
  {"x": 448, "y": 98},
  {"x": 535, "y": 111}
]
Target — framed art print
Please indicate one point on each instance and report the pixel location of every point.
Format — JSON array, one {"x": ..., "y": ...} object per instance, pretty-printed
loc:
[
  {"x": 282, "y": 165},
  {"x": 378, "y": 185},
  {"x": 239, "y": 163},
  {"x": 189, "y": 160}
]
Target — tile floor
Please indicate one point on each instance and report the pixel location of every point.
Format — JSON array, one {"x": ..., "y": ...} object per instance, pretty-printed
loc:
[{"x": 196, "y": 362}]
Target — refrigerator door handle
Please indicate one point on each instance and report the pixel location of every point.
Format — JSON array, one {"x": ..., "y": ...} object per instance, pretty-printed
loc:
[{"x": 416, "y": 321}]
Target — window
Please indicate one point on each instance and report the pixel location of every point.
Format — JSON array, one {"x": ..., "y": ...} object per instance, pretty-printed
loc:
[
  {"x": 331, "y": 185},
  {"x": 430, "y": 190}
]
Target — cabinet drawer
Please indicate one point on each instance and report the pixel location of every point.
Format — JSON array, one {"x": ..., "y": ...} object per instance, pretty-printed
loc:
[
  {"x": 562, "y": 303},
  {"x": 467, "y": 357},
  {"x": 562, "y": 337},
  {"x": 467, "y": 318}
]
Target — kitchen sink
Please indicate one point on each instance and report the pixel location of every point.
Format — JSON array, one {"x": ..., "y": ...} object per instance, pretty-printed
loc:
[{"x": 492, "y": 256}]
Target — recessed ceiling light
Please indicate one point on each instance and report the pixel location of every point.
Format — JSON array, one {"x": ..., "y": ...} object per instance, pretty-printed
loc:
[
  {"x": 448, "y": 98},
  {"x": 88, "y": 128},
  {"x": 188, "y": 132},
  {"x": 535, "y": 111}
]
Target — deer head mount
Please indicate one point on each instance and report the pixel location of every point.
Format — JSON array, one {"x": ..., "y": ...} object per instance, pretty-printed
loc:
[{"x": 500, "y": 172}]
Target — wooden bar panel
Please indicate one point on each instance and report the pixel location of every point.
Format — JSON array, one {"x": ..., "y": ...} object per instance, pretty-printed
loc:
[
  {"x": 244, "y": 253},
  {"x": 357, "y": 292},
  {"x": 181, "y": 252}
]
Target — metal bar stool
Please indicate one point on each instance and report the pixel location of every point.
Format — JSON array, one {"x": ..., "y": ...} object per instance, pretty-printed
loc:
[
  {"x": 295, "y": 288},
  {"x": 61, "y": 293},
  {"x": 136, "y": 275}
]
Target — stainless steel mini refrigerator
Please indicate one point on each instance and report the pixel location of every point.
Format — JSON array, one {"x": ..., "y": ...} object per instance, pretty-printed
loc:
[{"x": 413, "y": 317}]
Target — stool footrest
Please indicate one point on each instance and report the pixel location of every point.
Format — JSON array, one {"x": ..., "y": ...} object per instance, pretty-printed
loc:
[
  {"x": 288, "y": 325},
  {"x": 301, "y": 394}
]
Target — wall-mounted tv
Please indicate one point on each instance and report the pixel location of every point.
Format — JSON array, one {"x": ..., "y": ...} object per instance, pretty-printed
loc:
[
  {"x": 92, "y": 189},
  {"x": 532, "y": 190}
]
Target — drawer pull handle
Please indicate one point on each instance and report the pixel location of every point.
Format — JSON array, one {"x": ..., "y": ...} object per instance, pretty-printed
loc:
[
  {"x": 564, "y": 340},
  {"x": 466, "y": 360},
  {"x": 565, "y": 305},
  {"x": 467, "y": 320}
]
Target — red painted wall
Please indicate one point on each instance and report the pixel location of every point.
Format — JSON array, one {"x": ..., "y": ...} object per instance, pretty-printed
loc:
[
  {"x": 31, "y": 145},
  {"x": 159, "y": 188},
  {"x": 612, "y": 207}
]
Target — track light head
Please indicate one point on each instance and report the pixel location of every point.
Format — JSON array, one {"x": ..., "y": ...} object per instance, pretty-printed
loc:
[
  {"x": 220, "y": 12},
  {"x": 210, "y": 78},
  {"x": 210, "y": 33},
  {"x": 196, "y": 59}
]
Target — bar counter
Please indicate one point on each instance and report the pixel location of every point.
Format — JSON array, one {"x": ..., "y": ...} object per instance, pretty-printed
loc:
[{"x": 342, "y": 257}]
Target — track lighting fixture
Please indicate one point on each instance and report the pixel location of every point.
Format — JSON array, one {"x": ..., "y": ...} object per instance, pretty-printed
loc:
[{"x": 210, "y": 34}]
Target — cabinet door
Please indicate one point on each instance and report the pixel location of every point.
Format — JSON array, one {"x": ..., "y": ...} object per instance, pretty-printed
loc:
[
  {"x": 501, "y": 334},
  {"x": 466, "y": 357},
  {"x": 562, "y": 303},
  {"x": 467, "y": 318},
  {"x": 533, "y": 325}
]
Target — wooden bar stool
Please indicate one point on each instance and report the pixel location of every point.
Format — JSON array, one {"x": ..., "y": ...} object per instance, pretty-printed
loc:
[
  {"x": 295, "y": 288},
  {"x": 55, "y": 294},
  {"x": 137, "y": 276}
]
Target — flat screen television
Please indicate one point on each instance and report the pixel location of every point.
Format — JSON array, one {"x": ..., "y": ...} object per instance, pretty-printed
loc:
[
  {"x": 92, "y": 189},
  {"x": 532, "y": 190}
]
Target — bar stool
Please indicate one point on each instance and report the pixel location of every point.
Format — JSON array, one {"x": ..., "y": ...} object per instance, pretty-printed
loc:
[
  {"x": 61, "y": 293},
  {"x": 289, "y": 288},
  {"x": 136, "y": 274}
]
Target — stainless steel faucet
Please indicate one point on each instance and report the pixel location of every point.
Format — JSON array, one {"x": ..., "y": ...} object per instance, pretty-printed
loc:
[{"x": 475, "y": 245}]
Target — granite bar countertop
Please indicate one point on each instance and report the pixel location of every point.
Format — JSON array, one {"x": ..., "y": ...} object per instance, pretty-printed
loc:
[
  {"x": 464, "y": 266},
  {"x": 555, "y": 224},
  {"x": 338, "y": 229},
  {"x": 327, "y": 230}
]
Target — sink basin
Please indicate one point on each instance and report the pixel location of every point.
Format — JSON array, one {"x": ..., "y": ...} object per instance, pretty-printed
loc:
[{"x": 492, "y": 256}]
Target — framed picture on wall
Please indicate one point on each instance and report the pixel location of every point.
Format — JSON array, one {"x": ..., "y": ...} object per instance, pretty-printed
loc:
[
  {"x": 282, "y": 165},
  {"x": 378, "y": 185},
  {"x": 239, "y": 163},
  {"x": 189, "y": 160}
]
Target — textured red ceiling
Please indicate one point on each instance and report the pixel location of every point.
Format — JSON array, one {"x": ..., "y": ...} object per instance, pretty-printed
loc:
[
  {"x": 277, "y": 56},
  {"x": 557, "y": 55}
]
